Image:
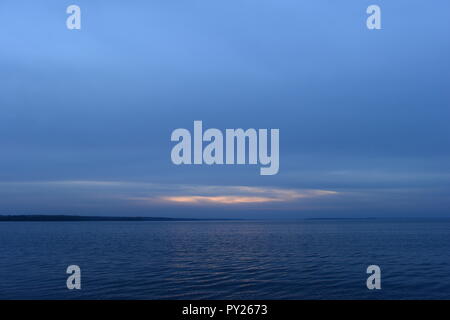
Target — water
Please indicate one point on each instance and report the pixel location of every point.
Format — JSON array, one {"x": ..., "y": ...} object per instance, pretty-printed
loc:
[{"x": 226, "y": 260}]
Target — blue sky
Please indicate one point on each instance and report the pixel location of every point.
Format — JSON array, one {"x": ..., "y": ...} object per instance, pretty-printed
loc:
[{"x": 86, "y": 116}]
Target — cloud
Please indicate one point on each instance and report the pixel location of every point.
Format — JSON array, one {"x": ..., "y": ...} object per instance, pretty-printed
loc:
[
  {"x": 232, "y": 195},
  {"x": 216, "y": 199},
  {"x": 147, "y": 193}
]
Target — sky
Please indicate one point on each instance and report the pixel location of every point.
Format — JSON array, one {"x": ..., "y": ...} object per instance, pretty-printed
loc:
[{"x": 86, "y": 115}]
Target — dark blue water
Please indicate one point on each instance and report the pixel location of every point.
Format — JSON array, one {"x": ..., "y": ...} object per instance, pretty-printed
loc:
[{"x": 225, "y": 260}]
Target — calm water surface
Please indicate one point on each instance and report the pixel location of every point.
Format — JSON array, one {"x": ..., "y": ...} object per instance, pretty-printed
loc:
[{"x": 226, "y": 260}]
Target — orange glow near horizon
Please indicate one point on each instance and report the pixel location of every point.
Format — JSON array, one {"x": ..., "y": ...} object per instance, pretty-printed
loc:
[
  {"x": 234, "y": 195},
  {"x": 218, "y": 199}
]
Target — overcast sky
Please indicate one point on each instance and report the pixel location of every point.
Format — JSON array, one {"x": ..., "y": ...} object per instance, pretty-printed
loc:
[{"x": 86, "y": 115}]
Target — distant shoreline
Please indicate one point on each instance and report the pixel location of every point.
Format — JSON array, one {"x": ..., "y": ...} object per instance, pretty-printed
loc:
[{"x": 51, "y": 218}]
